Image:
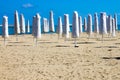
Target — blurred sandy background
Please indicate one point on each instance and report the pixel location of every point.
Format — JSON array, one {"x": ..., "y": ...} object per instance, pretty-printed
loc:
[{"x": 54, "y": 59}]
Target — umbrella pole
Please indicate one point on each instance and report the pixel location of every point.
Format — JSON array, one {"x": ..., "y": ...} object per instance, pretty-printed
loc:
[
  {"x": 110, "y": 37},
  {"x": 23, "y": 34},
  {"x": 88, "y": 37},
  {"x": 58, "y": 37},
  {"x": 75, "y": 42},
  {"x": 4, "y": 41},
  {"x": 97, "y": 35},
  {"x": 102, "y": 38},
  {"x": 65, "y": 39},
  {"x": 16, "y": 37},
  {"x": 51, "y": 35},
  {"x": 36, "y": 41}
]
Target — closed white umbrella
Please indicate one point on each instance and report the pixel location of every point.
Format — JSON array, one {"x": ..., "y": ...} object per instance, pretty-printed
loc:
[
  {"x": 109, "y": 25},
  {"x": 80, "y": 25},
  {"x": 75, "y": 26},
  {"x": 89, "y": 25},
  {"x": 16, "y": 25},
  {"x": 37, "y": 28},
  {"x": 115, "y": 19},
  {"x": 22, "y": 24},
  {"x": 113, "y": 28},
  {"x": 85, "y": 24},
  {"x": 28, "y": 27},
  {"x": 66, "y": 28},
  {"x": 48, "y": 25},
  {"x": 5, "y": 29},
  {"x": 60, "y": 28},
  {"x": 103, "y": 28},
  {"x": 96, "y": 27},
  {"x": 33, "y": 25},
  {"x": 51, "y": 22},
  {"x": 45, "y": 25}
]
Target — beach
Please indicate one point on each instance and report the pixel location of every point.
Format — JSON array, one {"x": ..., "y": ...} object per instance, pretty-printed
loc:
[{"x": 57, "y": 59}]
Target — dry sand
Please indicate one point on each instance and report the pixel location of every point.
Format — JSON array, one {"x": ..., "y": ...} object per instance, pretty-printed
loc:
[{"x": 54, "y": 59}]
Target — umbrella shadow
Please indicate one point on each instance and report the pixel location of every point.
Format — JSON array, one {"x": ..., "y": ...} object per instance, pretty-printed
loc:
[
  {"x": 17, "y": 42},
  {"x": 62, "y": 46},
  {"x": 106, "y": 39},
  {"x": 117, "y": 58},
  {"x": 107, "y": 47},
  {"x": 117, "y": 43},
  {"x": 6, "y": 40},
  {"x": 85, "y": 43},
  {"x": 47, "y": 42},
  {"x": 19, "y": 45}
]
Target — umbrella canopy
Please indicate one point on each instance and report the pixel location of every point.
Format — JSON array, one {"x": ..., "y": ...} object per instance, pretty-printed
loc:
[
  {"x": 37, "y": 28},
  {"x": 60, "y": 28},
  {"x": 75, "y": 25},
  {"x": 80, "y": 24},
  {"x": 113, "y": 28},
  {"x": 45, "y": 25},
  {"x": 109, "y": 24},
  {"x": 103, "y": 28},
  {"x": 16, "y": 23},
  {"x": 22, "y": 24},
  {"x": 33, "y": 25},
  {"x": 5, "y": 27},
  {"x": 51, "y": 22},
  {"x": 28, "y": 27},
  {"x": 96, "y": 27},
  {"x": 85, "y": 24},
  {"x": 66, "y": 28},
  {"x": 115, "y": 18},
  {"x": 89, "y": 24}
]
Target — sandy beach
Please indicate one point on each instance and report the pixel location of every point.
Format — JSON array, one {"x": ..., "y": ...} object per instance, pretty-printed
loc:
[{"x": 53, "y": 59}]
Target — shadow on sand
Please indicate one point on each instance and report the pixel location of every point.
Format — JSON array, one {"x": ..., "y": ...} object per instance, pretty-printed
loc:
[
  {"x": 16, "y": 42},
  {"x": 85, "y": 43},
  {"x": 18, "y": 45},
  {"x": 107, "y": 47},
  {"x": 47, "y": 42},
  {"x": 62, "y": 46},
  {"x": 117, "y": 58}
]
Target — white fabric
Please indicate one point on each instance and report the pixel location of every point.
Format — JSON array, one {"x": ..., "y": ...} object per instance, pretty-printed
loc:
[
  {"x": 66, "y": 28},
  {"x": 113, "y": 28},
  {"x": 115, "y": 18},
  {"x": 96, "y": 27},
  {"x": 28, "y": 27},
  {"x": 80, "y": 24},
  {"x": 75, "y": 25},
  {"x": 109, "y": 24},
  {"x": 45, "y": 25},
  {"x": 60, "y": 28},
  {"x": 89, "y": 24},
  {"x": 51, "y": 22},
  {"x": 103, "y": 28},
  {"x": 22, "y": 23},
  {"x": 5, "y": 27},
  {"x": 85, "y": 24},
  {"x": 16, "y": 23},
  {"x": 37, "y": 28},
  {"x": 33, "y": 25}
]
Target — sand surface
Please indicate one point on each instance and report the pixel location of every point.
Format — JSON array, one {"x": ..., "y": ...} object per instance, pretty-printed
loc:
[{"x": 53, "y": 59}]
